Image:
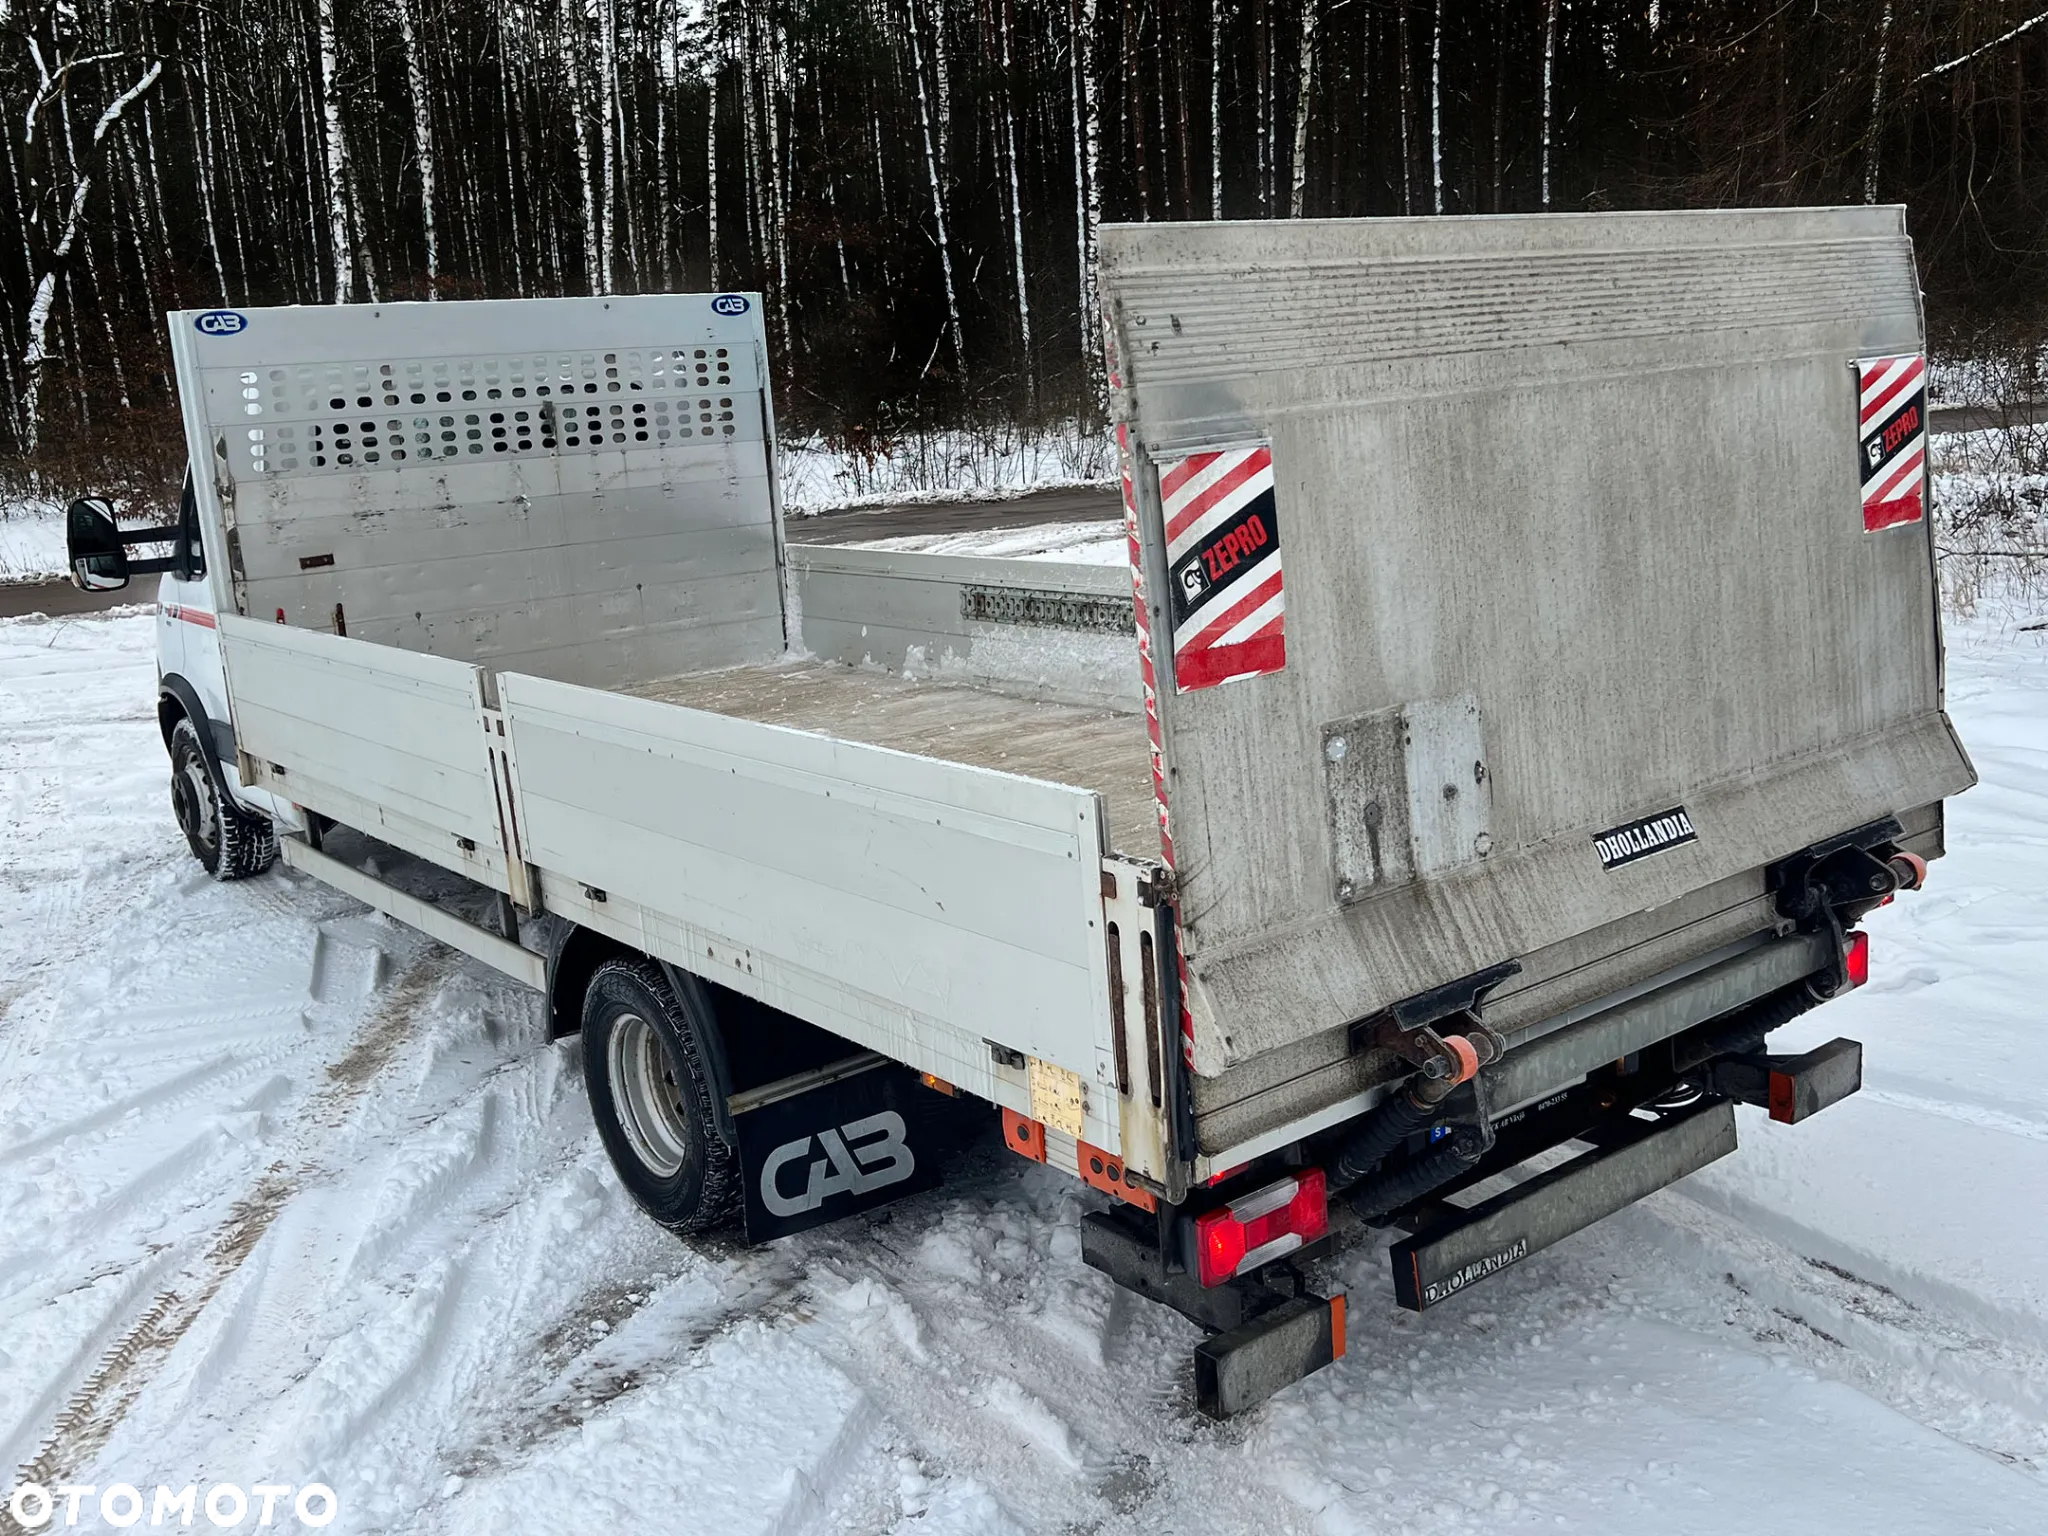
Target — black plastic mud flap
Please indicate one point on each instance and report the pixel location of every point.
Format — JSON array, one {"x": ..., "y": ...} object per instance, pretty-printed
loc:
[
  {"x": 830, "y": 1142},
  {"x": 1635, "y": 1159},
  {"x": 1793, "y": 1087},
  {"x": 1245, "y": 1366}
]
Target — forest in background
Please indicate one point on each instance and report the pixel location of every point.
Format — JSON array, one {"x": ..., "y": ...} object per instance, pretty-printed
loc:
[{"x": 915, "y": 185}]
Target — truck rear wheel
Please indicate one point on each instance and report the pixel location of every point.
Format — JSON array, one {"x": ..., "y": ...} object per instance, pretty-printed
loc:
[
  {"x": 230, "y": 842},
  {"x": 652, "y": 1096}
]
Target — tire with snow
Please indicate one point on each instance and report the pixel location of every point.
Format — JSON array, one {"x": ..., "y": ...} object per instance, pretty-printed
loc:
[
  {"x": 231, "y": 843},
  {"x": 651, "y": 1095}
]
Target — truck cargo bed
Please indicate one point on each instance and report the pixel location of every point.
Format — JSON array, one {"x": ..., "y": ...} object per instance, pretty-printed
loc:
[{"x": 1100, "y": 749}]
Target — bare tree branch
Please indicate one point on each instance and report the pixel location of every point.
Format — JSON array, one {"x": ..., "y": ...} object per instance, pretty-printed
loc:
[{"x": 1997, "y": 42}]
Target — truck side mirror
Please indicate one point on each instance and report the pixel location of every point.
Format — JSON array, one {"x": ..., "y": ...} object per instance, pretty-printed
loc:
[{"x": 99, "y": 561}]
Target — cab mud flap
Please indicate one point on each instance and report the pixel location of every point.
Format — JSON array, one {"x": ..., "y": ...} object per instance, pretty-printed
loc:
[
  {"x": 1633, "y": 1159},
  {"x": 834, "y": 1141}
]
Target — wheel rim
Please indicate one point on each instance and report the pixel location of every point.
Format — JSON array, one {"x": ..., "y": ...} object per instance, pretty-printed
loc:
[
  {"x": 644, "y": 1091},
  {"x": 192, "y": 794}
]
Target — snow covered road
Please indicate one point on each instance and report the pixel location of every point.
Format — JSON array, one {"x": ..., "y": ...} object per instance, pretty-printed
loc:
[{"x": 288, "y": 1194}]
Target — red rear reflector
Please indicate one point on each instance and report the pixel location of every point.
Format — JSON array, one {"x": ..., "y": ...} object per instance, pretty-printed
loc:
[
  {"x": 1258, "y": 1228},
  {"x": 1856, "y": 959}
]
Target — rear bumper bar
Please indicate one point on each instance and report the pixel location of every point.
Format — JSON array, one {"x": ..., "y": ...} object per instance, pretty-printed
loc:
[{"x": 1636, "y": 1158}]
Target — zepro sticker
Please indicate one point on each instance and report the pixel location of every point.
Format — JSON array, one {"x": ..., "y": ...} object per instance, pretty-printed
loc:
[
  {"x": 1224, "y": 586},
  {"x": 1892, "y": 411}
]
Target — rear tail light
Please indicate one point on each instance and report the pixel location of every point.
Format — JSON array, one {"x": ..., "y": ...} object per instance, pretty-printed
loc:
[
  {"x": 1856, "y": 959},
  {"x": 1258, "y": 1228}
]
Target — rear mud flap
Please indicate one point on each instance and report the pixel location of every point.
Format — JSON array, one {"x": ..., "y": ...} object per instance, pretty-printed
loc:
[
  {"x": 1637, "y": 1159},
  {"x": 837, "y": 1142},
  {"x": 1245, "y": 1366}
]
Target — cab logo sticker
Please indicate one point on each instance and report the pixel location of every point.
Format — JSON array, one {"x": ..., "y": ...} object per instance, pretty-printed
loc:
[
  {"x": 1639, "y": 839},
  {"x": 1223, "y": 557},
  {"x": 221, "y": 322},
  {"x": 856, "y": 1159},
  {"x": 1892, "y": 407},
  {"x": 730, "y": 304}
]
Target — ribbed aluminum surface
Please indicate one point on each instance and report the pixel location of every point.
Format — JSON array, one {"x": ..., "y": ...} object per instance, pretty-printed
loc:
[{"x": 1598, "y": 473}]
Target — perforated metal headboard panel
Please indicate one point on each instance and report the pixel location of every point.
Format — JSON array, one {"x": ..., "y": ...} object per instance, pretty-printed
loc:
[{"x": 579, "y": 488}]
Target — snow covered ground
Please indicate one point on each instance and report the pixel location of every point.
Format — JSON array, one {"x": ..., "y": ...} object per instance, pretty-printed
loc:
[
  {"x": 1093, "y": 543},
  {"x": 927, "y": 466},
  {"x": 31, "y": 542},
  {"x": 288, "y": 1194}
]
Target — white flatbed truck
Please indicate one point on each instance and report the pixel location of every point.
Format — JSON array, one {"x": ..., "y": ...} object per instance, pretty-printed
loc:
[{"x": 1596, "y": 700}]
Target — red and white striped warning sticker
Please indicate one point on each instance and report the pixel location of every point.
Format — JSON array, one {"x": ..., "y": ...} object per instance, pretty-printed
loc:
[
  {"x": 1224, "y": 584},
  {"x": 1894, "y": 433}
]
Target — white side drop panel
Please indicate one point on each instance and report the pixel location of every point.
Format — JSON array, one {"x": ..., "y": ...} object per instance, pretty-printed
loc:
[
  {"x": 917, "y": 907},
  {"x": 380, "y": 739},
  {"x": 576, "y": 487}
]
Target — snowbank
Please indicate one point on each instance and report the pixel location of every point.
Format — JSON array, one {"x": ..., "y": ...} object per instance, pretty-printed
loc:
[
  {"x": 983, "y": 465},
  {"x": 1094, "y": 543},
  {"x": 31, "y": 542}
]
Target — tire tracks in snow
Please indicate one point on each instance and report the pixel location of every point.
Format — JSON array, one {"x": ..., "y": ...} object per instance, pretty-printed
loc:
[
  {"x": 998, "y": 1359},
  {"x": 1935, "y": 1365},
  {"x": 95, "y": 1410}
]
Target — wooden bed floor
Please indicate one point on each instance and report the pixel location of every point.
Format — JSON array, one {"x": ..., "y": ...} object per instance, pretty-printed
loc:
[{"x": 1097, "y": 749}]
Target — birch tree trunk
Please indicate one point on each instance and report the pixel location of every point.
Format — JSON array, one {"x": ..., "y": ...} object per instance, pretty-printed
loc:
[
  {"x": 664, "y": 199},
  {"x": 35, "y": 352},
  {"x": 1180, "y": 96},
  {"x": 594, "y": 266},
  {"x": 1436, "y": 112},
  {"x": 1158, "y": 75},
  {"x": 313, "y": 143},
  {"x": 1499, "y": 90},
  {"x": 1216, "y": 108},
  {"x": 512, "y": 177},
  {"x": 715, "y": 53},
  {"x": 942, "y": 75},
  {"x": 99, "y": 293},
  {"x": 198, "y": 89},
  {"x": 1262, "y": 64},
  {"x": 1873, "y": 136},
  {"x": 1087, "y": 186},
  {"x": 1008, "y": 24},
  {"x": 337, "y": 155},
  {"x": 422, "y": 138},
  {"x": 359, "y": 234},
  {"x": 1134, "y": 109},
  {"x": 1406, "y": 63},
  {"x": 1549, "y": 64},
  {"x": 931, "y": 160},
  {"x": 608, "y": 103},
  {"x": 750, "y": 146},
  {"x": 1304, "y": 84},
  {"x": 832, "y": 198},
  {"x": 778, "y": 183},
  {"x": 153, "y": 201}
]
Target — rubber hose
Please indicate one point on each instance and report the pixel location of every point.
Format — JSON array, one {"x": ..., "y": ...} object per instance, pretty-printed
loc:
[
  {"x": 1397, "y": 1117},
  {"x": 1411, "y": 1181}
]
